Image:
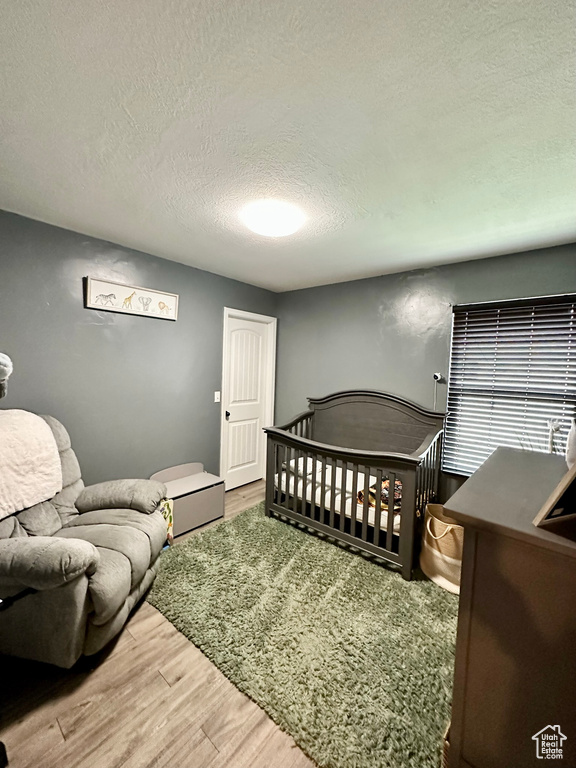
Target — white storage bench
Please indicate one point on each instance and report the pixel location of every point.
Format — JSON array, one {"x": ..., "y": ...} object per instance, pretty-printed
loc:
[{"x": 198, "y": 496}]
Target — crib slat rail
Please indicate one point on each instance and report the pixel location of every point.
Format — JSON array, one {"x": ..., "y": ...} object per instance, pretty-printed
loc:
[
  {"x": 378, "y": 506},
  {"x": 294, "y": 463},
  {"x": 343, "y": 497},
  {"x": 427, "y": 474},
  {"x": 333, "y": 467},
  {"x": 354, "y": 495},
  {"x": 301, "y": 425},
  {"x": 390, "y": 510},
  {"x": 322, "y": 486},
  {"x": 365, "y": 503}
]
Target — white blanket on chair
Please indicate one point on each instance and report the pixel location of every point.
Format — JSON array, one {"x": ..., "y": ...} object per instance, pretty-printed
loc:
[{"x": 30, "y": 469}]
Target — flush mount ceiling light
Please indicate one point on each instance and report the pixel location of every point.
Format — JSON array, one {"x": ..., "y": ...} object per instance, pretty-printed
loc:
[{"x": 272, "y": 218}]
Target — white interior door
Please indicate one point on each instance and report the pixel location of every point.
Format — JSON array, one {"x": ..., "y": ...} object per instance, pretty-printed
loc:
[{"x": 249, "y": 362}]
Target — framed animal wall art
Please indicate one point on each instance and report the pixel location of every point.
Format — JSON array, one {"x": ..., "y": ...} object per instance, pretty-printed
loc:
[{"x": 130, "y": 299}]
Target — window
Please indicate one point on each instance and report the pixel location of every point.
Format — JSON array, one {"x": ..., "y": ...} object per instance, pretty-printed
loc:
[{"x": 512, "y": 379}]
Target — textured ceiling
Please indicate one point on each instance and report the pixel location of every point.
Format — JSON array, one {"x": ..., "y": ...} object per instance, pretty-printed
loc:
[{"x": 412, "y": 133}]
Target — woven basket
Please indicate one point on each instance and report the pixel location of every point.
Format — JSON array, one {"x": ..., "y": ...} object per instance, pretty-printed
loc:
[
  {"x": 446, "y": 748},
  {"x": 441, "y": 553}
]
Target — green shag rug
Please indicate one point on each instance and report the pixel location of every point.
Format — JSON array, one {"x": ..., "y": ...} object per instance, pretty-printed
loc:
[{"x": 347, "y": 657}]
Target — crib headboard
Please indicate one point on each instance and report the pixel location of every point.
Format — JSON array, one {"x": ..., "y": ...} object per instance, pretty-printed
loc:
[{"x": 371, "y": 420}]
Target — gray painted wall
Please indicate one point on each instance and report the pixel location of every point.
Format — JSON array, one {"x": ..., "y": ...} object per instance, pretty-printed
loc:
[
  {"x": 393, "y": 332},
  {"x": 135, "y": 393}
]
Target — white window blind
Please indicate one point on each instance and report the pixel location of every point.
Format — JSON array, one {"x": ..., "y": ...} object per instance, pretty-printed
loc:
[{"x": 512, "y": 379}]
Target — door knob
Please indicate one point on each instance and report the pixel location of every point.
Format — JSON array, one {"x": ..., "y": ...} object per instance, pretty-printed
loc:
[{"x": 227, "y": 415}]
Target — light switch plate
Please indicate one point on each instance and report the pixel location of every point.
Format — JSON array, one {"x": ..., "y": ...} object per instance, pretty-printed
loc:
[{"x": 216, "y": 397}]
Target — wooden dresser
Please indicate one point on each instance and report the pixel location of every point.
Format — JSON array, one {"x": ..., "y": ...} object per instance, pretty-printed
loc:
[{"x": 516, "y": 648}]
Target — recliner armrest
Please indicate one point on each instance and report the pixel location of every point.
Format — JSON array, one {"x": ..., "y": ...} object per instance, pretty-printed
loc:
[
  {"x": 44, "y": 562},
  {"x": 141, "y": 495}
]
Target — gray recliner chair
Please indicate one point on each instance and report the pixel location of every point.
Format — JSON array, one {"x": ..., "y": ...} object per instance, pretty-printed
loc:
[{"x": 83, "y": 559}]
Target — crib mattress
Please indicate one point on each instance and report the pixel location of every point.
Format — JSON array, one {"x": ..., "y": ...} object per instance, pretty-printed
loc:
[{"x": 298, "y": 476}]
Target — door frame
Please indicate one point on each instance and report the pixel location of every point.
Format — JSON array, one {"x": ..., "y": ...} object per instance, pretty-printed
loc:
[{"x": 269, "y": 385}]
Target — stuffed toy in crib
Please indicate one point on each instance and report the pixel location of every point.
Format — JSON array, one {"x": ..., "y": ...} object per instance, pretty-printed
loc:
[{"x": 384, "y": 493}]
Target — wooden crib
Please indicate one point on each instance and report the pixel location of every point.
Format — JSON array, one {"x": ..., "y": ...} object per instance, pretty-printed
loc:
[{"x": 335, "y": 467}]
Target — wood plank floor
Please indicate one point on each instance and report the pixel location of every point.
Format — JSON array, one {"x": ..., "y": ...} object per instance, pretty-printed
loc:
[{"x": 150, "y": 699}]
